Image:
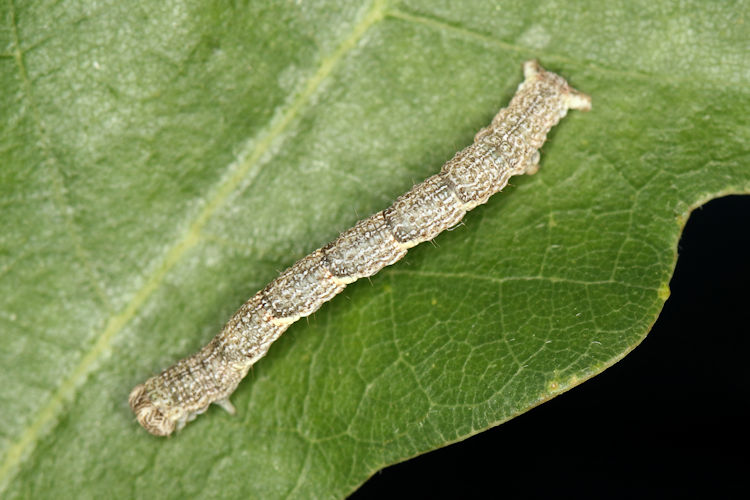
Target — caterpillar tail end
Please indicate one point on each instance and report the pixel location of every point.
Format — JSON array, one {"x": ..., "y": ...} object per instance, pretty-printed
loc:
[
  {"x": 574, "y": 99},
  {"x": 531, "y": 69}
]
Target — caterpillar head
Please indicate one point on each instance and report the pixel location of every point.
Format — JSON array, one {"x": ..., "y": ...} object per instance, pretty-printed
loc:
[{"x": 156, "y": 419}]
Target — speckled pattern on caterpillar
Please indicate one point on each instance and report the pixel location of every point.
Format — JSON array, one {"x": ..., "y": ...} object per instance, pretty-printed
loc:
[{"x": 508, "y": 146}]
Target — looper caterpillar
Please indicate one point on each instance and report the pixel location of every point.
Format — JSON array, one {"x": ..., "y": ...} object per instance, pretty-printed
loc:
[{"x": 508, "y": 146}]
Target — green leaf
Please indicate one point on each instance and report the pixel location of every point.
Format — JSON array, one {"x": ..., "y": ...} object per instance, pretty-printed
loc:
[{"x": 162, "y": 161}]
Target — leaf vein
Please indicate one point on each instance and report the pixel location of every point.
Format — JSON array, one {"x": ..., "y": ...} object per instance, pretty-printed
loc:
[{"x": 58, "y": 179}]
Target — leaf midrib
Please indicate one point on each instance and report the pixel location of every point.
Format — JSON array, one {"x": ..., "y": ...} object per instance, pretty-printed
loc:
[{"x": 247, "y": 171}]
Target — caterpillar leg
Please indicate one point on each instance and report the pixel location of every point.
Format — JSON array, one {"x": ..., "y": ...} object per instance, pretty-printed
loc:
[{"x": 227, "y": 405}]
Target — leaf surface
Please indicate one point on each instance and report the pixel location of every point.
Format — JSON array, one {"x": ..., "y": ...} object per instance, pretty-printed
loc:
[{"x": 161, "y": 163}]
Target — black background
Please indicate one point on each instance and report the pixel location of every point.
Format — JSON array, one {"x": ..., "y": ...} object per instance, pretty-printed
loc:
[{"x": 669, "y": 420}]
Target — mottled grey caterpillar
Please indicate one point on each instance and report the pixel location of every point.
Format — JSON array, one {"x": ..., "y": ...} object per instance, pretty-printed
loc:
[{"x": 508, "y": 146}]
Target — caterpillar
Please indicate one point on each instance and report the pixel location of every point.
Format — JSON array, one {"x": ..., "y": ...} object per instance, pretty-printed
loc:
[{"x": 508, "y": 146}]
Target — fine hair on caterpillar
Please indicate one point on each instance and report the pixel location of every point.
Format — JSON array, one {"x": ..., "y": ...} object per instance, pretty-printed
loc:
[{"x": 506, "y": 147}]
